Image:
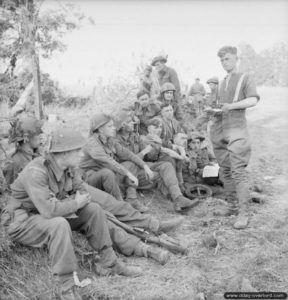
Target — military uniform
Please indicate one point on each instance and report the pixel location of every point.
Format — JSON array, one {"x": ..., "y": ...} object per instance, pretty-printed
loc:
[
  {"x": 16, "y": 162},
  {"x": 189, "y": 168},
  {"x": 146, "y": 113},
  {"x": 43, "y": 196},
  {"x": 21, "y": 130},
  {"x": 170, "y": 128},
  {"x": 101, "y": 152},
  {"x": 197, "y": 92},
  {"x": 230, "y": 138},
  {"x": 168, "y": 74}
]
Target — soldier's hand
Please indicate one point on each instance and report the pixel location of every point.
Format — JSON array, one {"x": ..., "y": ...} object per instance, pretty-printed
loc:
[
  {"x": 226, "y": 107},
  {"x": 82, "y": 199},
  {"x": 149, "y": 173},
  {"x": 148, "y": 149},
  {"x": 132, "y": 178}
]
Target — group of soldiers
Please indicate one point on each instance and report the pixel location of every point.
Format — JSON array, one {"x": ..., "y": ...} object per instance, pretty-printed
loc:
[{"x": 86, "y": 184}]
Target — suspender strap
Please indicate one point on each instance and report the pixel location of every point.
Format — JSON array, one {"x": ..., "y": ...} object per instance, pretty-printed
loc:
[{"x": 237, "y": 91}]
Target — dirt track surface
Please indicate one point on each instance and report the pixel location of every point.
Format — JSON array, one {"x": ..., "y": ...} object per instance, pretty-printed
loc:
[{"x": 259, "y": 253}]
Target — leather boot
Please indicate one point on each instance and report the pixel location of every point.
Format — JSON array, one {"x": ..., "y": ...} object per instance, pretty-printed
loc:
[
  {"x": 183, "y": 203},
  {"x": 135, "y": 203},
  {"x": 168, "y": 225},
  {"x": 109, "y": 264},
  {"x": 158, "y": 254}
]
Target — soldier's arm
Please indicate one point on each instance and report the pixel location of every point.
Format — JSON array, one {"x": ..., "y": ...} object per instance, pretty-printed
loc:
[
  {"x": 126, "y": 155},
  {"x": 36, "y": 185},
  {"x": 96, "y": 151},
  {"x": 250, "y": 94}
]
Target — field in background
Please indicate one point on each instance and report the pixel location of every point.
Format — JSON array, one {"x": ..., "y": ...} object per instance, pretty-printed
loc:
[{"x": 258, "y": 253}]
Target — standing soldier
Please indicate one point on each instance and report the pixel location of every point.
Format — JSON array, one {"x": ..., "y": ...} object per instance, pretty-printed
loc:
[
  {"x": 25, "y": 133},
  {"x": 229, "y": 134},
  {"x": 166, "y": 74},
  {"x": 197, "y": 92},
  {"x": 211, "y": 98}
]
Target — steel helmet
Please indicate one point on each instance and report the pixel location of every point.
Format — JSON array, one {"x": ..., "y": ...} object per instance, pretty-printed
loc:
[
  {"x": 24, "y": 127},
  {"x": 122, "y": 117},
  {"x": 167, "y": 86},
  {"x": 98, "y": 120},
  {"x": 65, "y": 139}
]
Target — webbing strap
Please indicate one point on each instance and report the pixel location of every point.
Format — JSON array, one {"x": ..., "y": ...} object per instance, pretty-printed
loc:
[{"x": 237, "y": 91}]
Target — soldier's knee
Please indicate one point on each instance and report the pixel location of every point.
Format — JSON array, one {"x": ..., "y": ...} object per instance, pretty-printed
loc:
[
  {"x": 167, "y": 166},
  {"x": 61, "y": 225},
  {"x": 93, "y": 209},
  {"x": 108, "y": 174}
]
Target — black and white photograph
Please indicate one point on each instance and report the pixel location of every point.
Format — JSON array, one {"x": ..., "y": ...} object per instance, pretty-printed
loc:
[{"x": 143, "y": 149}]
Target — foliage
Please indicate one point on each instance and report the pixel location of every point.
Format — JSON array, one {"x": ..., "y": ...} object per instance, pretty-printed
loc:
[
  {"x": 268, "y": 67},
  {"x": 23, "y": 21},
  {"x": 11, "y": 90}
]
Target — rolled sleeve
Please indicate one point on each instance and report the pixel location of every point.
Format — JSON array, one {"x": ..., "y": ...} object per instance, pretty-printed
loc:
[{"x": 249, "y": 88}]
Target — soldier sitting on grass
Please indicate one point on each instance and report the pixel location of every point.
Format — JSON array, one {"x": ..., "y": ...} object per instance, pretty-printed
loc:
[
  {"x": 104, "y": 151},
  {"x": 199, "y": 156},
  {"x": 167, "y": 96},
  {"x": 25, "y": 134},
  {"x": 149, "y": 148},
  {"x": 145, "y": 109}
]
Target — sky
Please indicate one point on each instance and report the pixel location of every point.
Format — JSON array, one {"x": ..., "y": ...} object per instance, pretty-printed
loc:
[{"x": 127, "y": 33}]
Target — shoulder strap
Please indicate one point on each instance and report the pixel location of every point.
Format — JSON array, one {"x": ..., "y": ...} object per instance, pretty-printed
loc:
[{"x": 238, "y": 87}]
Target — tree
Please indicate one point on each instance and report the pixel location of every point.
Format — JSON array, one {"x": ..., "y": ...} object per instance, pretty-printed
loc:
[
  {"x": 26, "y": 32},
  {"x": 268, "y": 67}
]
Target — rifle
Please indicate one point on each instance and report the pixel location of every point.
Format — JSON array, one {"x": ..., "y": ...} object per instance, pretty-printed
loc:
[{"x": 164, "y": 240}]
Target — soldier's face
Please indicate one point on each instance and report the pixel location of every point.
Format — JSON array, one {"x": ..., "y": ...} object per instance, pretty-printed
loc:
[
  {"x": 157, "y": 130},
  {"x": 144, "y": 100},
  {"x": 194, "y": 144},
  {"x": 167, "y": 112},
  {"x": 212, "y": 86},
  {"x": 169, "y": 95},
  {"x": 129, "y": 125},
  {"x": 108, "y": 129},
  {"x": 229, "y": 61},
  {"x": 35, "y": 141},
  {"x": 181, "y": 140},
  {"x": 72, "y": 158},
  {"x": 159, "y": 65}
]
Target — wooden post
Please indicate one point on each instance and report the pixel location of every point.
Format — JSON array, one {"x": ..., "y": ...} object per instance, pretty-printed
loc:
[
  {"x": 35, "y": 61},
  {"x": 37, "y": 88}
]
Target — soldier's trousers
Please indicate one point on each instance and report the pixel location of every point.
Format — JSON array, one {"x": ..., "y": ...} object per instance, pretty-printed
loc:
[
  {"x": 164, "y": 176},
  {"x": 122, "y": 210},
  {"x": 232, "y": 149},
  {"x": 168, "y": 178},
  {"x": 56, "y": 234},
  {"x": 105, "y": 180}
]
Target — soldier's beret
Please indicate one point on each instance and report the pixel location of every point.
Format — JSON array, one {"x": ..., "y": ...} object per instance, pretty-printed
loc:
[
  {"x": 158, "y": 58},
  {"x": 213, "y": 80}
]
